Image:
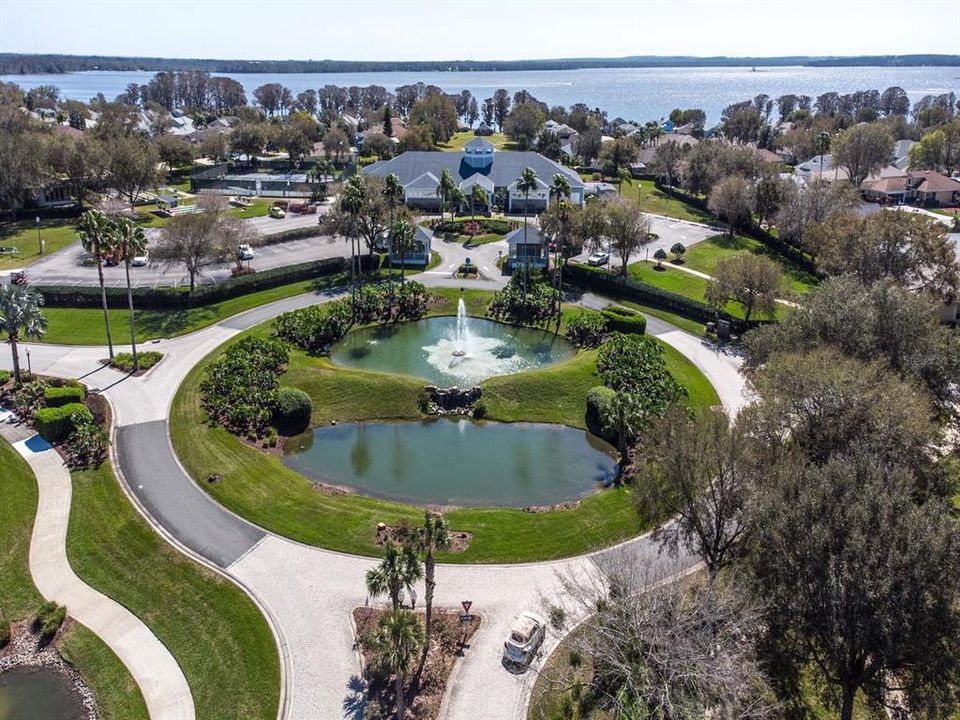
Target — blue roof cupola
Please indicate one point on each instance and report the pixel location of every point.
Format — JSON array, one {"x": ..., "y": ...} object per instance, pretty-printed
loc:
[{"x": 478, "y": 153}]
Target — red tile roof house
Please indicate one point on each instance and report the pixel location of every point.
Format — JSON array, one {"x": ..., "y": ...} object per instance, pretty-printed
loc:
[{"x": 932, "y": 188}]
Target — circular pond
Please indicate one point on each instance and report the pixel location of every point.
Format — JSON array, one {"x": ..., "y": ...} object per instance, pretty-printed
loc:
[
  {"x": 456, "y": 462},
  {"x": 27, "y": 693},
  {"x": 450, "y": 351}
]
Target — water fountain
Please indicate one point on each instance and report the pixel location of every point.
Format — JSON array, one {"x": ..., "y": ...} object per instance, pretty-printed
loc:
[{"x": 463, "y": 333}]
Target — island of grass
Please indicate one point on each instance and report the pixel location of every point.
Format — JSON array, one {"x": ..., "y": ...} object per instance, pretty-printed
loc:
[{"x": 257, "y": 485}]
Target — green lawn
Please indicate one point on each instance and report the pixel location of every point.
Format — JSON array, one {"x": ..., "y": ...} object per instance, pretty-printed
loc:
[
  {"x": 259, "y": 487},
  {"x": 705, "y": 255},
  {"x": 653, "y": 200},
  {"x": 117, "y": 694},
  {"x": 84, "y": 326},
  {"x": 216, "y": 633},
  {"x": 460, "y": 139},
  {"x": 22, "y": 235}
]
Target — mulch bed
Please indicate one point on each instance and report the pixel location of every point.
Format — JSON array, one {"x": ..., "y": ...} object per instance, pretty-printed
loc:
[
  {"x": 450, "y": 638},
  {"x": 459, "y": 539}
]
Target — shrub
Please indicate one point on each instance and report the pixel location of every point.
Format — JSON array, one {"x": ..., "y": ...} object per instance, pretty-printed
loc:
[
  {"x": 470, "y": 269},
  {"x": 513, "y": 305},
  {"x": 58, "y": 396},
  {"x": 625, "y": 320},
  {"x": 314, "y": 328},
  {"x": 678, "y": 250},
  {"x": 412, "y": 301},
  {"x": 480, "y": 409},
  {"x": 100, "y": 409},
  {"x": 87, "y": 445},
  {"x": 4, "y": 631},
  {"x": 124, "y": 361},
  {"x": 49, "y": 619},
  {"x": 4, "y": 377},
  {"x": 472, "y": 228},
  {"x": 634, "y": 364},
  {"x": 240, "y": 387},
  {"x": 599, "y": 399},
  {"x": 57, "y": 423},
  {"x": 292, "y": 411},
  {"x": 29, "y": 398},
  {"x": 587, "y": 329}
]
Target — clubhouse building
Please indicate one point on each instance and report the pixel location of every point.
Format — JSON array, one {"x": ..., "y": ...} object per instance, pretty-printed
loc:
[{"x": 480, "y": 164}]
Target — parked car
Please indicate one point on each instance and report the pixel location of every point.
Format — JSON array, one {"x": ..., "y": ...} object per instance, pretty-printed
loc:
[
  {"x": 598, "y": 258},
  {"x": 525, "y": 639},
  {"x": 141, "y": 260},
  {"x": 244, "y": 252},
  {"x": 276, "y": 212}
]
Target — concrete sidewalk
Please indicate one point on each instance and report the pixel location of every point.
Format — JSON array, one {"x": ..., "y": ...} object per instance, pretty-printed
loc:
[{"x": 154, "y": 669}]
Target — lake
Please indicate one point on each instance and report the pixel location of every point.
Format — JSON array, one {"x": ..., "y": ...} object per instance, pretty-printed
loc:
[{"x": 634, "y": 93}]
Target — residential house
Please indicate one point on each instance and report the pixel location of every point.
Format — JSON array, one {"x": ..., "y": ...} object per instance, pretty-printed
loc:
[
  {"x": 480, "y": 164},
  {"x": 420, "y": 255},
  {"x": 924, "y": 187},
  {"x": 527, "y": 248}
]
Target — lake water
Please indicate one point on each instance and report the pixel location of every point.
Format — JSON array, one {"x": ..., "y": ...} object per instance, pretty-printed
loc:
[
  {"x": 634, "y": 93},
  {"x": 28, "y": 693},
  {"x": 456, "y": 462}
]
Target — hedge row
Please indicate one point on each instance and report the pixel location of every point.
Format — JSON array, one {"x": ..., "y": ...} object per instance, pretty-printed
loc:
[
  {"x": 59, "y": 396},
  {"x": 55, "y": 424},
  {"x": 147, "y": 298},
  {"x": 788, "y": 251},
  {"x": 624, "y": 320}
]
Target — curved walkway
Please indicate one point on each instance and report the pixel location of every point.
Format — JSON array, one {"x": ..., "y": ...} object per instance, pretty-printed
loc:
[
  {"x": 308, "y": 592},
  {"x": 154, "y": 669}
]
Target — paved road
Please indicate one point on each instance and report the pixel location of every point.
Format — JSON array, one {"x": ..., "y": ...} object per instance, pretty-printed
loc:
[
  {"x": 306, "y": 592},
  {"x": 670, "y": 231}
]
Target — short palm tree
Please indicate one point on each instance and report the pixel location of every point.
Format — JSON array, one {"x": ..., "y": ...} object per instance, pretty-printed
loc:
[
  {"x": 457, "y": 200},
  {"x": 20, "y": 316},
  {"x": 96, "y": 238},
  {"x": 478, "y": 196},
  {"x": 398, "y": 569},
  {"x": 402, "y": 240},
  {"x": 130, "y": 241},
  {"x": 623, "y": 176},
  {"x": 397, "y": 642},
  {"x": 444, "y": 189},
  {"x": 526, "y": 183},
  {"x": 433, "y": 536}
]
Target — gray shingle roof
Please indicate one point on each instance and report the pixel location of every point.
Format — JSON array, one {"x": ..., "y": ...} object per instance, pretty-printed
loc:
[
  {"x": 506, "y": 167},
  {"x": 533, "y": 236}
]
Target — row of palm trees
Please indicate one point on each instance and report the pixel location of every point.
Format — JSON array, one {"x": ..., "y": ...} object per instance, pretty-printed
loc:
[
  {"x": 400, "y": 637},
  {"x": 111, "y": 237}
]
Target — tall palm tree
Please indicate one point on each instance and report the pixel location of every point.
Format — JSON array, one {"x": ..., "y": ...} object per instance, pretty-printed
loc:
[
  {"x": 402, "y": 239},
  {"x": 477, "y": 195},
  {"x": 823, "y": 142},
  {"x": 96, "y": 238},
  {"x": 398, "y": 641},
  {"x": 399, "y": 568},
  {"x": 560, "y": 188},
  {"x": 433, "y": 536},
  {"x": 526, "y": 183},
  {"x": 352, "y": 200},
  {"x": 130, "y": 241},
  {"x": 444, "y": 189},
  {"x": 393, "y": 191},
  {"x": 20, "y": 316}
]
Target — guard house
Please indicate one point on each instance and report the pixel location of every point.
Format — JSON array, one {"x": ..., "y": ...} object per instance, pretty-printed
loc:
[
  {"x": 529, "y": 250},
  {"x": 420, "y": 255}
]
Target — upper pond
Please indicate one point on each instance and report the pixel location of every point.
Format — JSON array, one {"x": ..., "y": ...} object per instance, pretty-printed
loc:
[
  {"x": 449, "y": 351},
  {"x": 456, "y": 462}
]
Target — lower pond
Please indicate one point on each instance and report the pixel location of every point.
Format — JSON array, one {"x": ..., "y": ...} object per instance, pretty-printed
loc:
[
  {"x": 32, "y": 693},
  {"x": 456, "y": 462}
]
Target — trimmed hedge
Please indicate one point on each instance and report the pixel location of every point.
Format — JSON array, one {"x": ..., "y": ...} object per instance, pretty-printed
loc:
[
  {"x": 146, "y": 360},
  {"x": 147, "y": 298},
  {"x": 59, "y": 396},
  {"x": 291, "y": 415},
  {"x": 624, "y": 320},
  {"x": 55, "y": 424}
]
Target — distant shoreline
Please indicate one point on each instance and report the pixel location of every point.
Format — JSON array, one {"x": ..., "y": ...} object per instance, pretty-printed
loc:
[{"x": 27, "y": 64}]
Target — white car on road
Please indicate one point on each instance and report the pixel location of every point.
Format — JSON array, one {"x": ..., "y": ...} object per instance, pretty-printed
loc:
[
  {"x": 244, "y": 252},
  {"x": 525, "y": 639},
  {"x": 598, "y": 258},
  {"x": 140, "y": 260}
]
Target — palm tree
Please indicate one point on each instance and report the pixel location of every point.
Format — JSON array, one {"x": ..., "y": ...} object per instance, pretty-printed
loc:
[
  {"x": 96, "y": 238},
  {"x": 444, "y": 189},
  {"x": 823, "y": 142},
  {"x": 393, "y": 191},
  {"x": 560, "y": 188},
  {"x": 397, "y": 642},
  {"x": 623, "y": 176},
  {"x": 352, "y": 200},
  {"x": 400, "y": 568},
  {"x": 433, "y": 536},
  {"x": 477, "y": 195},
  {"x": 20, "y": 315},
  {"x": 457, "y": 199},
  {"x": 130, "y": 241},
  {"x": 526, "y": 183},
  {"x": 402, "y": 240}
]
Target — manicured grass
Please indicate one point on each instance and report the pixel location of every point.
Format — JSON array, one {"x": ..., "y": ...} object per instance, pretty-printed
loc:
[
  {"x": 705, "y": 255},
  {"x": 117, "y": 694},
  {"x": 691, "y": 326},
  {"x": 653, "y": 200},
  {"x": 460, "y": 139},
  {"x": 259, "y": 487},
  {"x": 22, "y": 235},
  {"x": 216, "y": 633},
  {"x": 84, "y": 326}
]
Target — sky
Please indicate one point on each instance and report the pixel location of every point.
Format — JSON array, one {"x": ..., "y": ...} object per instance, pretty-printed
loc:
[{"x": 477, "y": 29}]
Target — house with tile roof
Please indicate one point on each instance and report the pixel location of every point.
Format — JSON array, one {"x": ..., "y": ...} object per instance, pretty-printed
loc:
[{"x": 496, "y": 171}]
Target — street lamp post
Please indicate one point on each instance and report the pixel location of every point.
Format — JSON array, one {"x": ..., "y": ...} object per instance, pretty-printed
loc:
[
  {"x": 29, "y": 367},
  {"x": 39, "y": 239}
]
